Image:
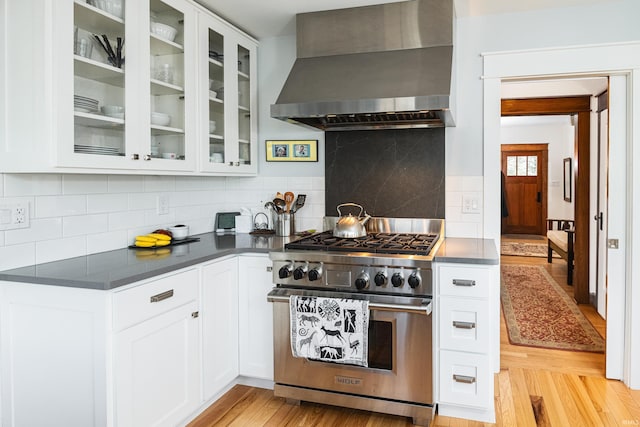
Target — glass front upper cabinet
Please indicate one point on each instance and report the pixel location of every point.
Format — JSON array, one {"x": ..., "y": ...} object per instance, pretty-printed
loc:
[
  {"x": 167, "y": 82},
  {"x": 99, "y": 115},
  {"x": 244, "y": 106},
  {"x": 216, "y": 106}
]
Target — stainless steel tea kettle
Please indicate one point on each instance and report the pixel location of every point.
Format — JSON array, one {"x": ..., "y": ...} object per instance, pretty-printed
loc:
[{"x": 350, "y": 226}]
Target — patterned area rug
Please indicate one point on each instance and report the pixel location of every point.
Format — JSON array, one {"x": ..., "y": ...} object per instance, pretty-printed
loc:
[
  {"x": 525, "y": 249},
  {"x": 539, "y": 313}
]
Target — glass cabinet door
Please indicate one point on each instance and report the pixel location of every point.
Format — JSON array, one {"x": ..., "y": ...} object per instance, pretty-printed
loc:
[
  {"x": 167, "y": 82},
  {"x": 244, "y": 106},
  {"x": 216, "y": 107},
  {"x": 99, "y": 115}
]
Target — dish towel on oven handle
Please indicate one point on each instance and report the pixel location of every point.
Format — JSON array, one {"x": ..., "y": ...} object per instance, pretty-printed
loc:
[{"x": 330, "y": 329}]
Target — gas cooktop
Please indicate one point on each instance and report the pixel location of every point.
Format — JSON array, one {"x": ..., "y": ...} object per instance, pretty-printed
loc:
[{"x": 379, "y": 243}]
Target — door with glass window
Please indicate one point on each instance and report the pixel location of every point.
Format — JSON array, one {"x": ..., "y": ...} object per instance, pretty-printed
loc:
[{"x": 524, "y": 167}]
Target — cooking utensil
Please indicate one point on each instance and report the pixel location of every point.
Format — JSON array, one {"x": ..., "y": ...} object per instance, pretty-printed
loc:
[
  {"x": 288, "y": 199},
  {"x": 350, "y": 226},
  {"x": 279, "y": 195},
  {"x": 271, "y": 205},
  {"x": 280, "y": 204},
  {"x": 298, "y": 203}
]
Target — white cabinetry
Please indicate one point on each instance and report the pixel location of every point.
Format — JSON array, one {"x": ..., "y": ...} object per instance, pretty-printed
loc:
[
  {"x": 57, "y": 72},
  {"x": 466, "y": 338},
  {"x": 156, "y": 361},
  {"x": 219, "y": 290},
  {"x": 256, "y": 317},
  {"x": 80, "y": 357}
]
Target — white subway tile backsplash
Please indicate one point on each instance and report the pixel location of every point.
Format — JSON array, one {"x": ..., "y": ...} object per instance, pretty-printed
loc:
[
  {"x": 39, "y": 229},
  {"x": 51, "y": 206},
  {"x": 77, "y": 215},
  {"x": 84, "y": 184},
  {"x": 126, "y": 220},
  {"x": 14, "y": 256},
  {"x": 125, "y": 184},
  {"x": 100, "y": 203},
  {"x": 103, "y": 242},
  {"x": 20, "y": 185},
  {"x": 159, "y": 183},
  {"x": 82, "y": 225},
  {"x": 54, "y": 250}
]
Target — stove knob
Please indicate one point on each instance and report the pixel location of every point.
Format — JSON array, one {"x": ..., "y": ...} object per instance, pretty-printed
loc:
[
  {"x": 299, "y": 273},
  {"x": 362, "y": 281},
  {"x": 397, "y": 280},
  {"x": 414, "y": 280},
  {"x": 380, "y": 279},
  {"x": 285, "y": 271},
  {"x": 314, "y": 275}
]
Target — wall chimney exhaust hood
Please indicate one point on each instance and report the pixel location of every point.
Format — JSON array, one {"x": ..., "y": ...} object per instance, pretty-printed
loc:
[{"x": 386, "y": 66}]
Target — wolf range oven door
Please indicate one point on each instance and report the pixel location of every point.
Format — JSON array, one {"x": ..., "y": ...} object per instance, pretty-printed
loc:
[{"x": 399, "y": 352}]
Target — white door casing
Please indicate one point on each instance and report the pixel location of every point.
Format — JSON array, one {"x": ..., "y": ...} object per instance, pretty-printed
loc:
[
  {"x": 622, "y": 59},
  {"x": 601, "y": 214}
]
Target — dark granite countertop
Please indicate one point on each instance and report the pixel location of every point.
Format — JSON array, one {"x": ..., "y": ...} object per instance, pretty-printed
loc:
[
  {"x": 110, "y": 270},
  {"x": 468, "y": 251}
]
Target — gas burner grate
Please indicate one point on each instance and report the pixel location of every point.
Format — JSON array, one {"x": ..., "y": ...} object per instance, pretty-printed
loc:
[{"x": 381, "y": 243}]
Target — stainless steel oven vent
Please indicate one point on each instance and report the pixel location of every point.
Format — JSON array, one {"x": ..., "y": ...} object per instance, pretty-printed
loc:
[{"x": 377, "y": 66}]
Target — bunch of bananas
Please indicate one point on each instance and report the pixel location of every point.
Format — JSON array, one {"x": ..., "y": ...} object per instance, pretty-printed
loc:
[{"x": 152, "y": 240}]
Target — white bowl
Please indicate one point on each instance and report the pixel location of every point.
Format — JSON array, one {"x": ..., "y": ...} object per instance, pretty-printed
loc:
[
  {"x": 171, "y": 156},
  {"x": 160, "y": 119},
  {"x": 212, "y": 126},
  {"x": 163, "y": 30},
  {"x": 179, "y": 231},
  {"x": 111, "y": 110}
]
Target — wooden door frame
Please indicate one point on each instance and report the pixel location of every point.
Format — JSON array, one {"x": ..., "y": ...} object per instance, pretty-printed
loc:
[
  {"x": 580, "y": 106},
  {"x": 542, "y": 168}
]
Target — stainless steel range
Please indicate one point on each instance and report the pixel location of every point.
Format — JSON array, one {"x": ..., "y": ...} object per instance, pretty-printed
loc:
[{"x": 390, "y": 267}]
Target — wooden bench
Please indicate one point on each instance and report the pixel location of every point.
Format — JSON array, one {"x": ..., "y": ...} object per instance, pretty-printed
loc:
[{"x": 560, "y": 238}]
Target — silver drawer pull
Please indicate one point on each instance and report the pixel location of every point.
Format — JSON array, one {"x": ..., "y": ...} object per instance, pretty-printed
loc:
[
  {"x": 163, "y": 295},
  {"x": 464, "y": 282},
  {"x": 464, "y": 325},
  {"x": 464, "y": 379}
]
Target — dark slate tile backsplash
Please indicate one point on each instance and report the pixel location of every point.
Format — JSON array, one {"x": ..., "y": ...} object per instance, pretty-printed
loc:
[{"x": 392, "y": 173}]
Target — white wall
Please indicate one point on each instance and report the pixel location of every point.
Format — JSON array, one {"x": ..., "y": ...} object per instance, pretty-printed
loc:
[{"x": 556, "y": 131}]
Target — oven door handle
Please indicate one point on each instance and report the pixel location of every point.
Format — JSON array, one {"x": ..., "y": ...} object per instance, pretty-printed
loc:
[{"x": 424, "y": 307}]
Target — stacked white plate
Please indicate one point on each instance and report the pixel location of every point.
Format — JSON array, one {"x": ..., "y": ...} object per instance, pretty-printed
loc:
[
  {"x": 91, "y": 149},
  {"x": 84, "y": 104}
]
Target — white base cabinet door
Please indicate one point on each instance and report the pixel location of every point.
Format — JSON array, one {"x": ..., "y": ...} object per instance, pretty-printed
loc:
[
  {"x": 219, "y": 290},
  {"x": 53, "y": 356},
  {"x": 256, "y": 317},
  {"x": 157, "y": 365}
]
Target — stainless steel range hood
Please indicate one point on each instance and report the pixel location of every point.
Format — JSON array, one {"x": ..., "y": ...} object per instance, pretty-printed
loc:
[{"x": 383, "y": 66}]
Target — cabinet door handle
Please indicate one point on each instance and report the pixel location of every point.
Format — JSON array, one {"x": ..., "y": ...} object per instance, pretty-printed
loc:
[
  {"x": 464, "y": 379},
  {"x": 135, "y": 157},
  {"x": 269, "y": 269},
  {"x": 162, "y": 296},
  {"x": 195, "y": 314},
  {"x": 464, "y": 282},
  {"x": 147, "y": 157},
  {"x": 464, "y": 325}
]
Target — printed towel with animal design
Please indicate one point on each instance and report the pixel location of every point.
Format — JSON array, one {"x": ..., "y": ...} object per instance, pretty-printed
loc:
[{"x": 330, "y": 329}]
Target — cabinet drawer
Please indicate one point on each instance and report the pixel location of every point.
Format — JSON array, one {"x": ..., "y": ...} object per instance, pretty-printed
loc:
[
  {"x": 465, "y": 379},
  {"x": 152, "y": 298},
  {"x": 465, "y": 281},
  {"x": 464, "y": 324}
]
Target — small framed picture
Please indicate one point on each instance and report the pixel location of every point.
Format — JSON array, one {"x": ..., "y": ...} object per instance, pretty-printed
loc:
[{"x": 292, "y": 151}]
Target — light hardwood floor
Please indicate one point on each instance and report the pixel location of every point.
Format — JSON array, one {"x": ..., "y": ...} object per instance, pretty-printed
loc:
[{"x": 566, "y": 389}]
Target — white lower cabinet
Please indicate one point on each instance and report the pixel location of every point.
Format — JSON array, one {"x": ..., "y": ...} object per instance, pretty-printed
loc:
[
  {"x": 156, "y": 366},
  {"x": 465, "y": 340},
  {"x": 156, "y": 360},
  {"x": 256, "y": 317},
  {"x": 148, "y": 354},
  {"x": 219, "y": 290}
]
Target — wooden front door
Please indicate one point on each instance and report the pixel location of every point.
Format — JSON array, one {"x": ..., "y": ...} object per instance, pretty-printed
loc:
[{"x": 525, "y": 183}]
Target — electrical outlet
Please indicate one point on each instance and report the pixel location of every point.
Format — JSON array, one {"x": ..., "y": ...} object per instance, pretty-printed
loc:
[
  {"x": 162, "y": 204},
  {"x": 470, "y": 204},
  {"x": 14, "y": 215}
]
